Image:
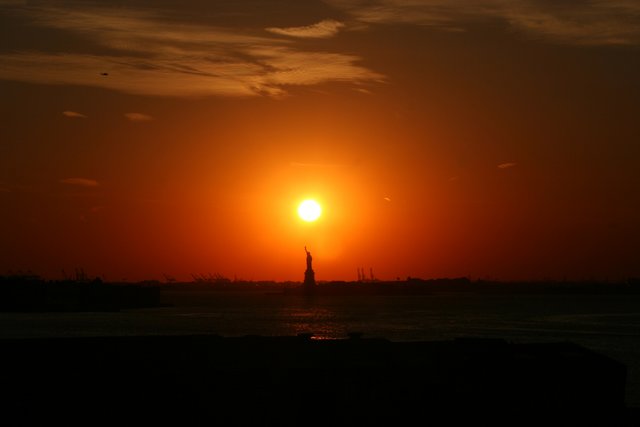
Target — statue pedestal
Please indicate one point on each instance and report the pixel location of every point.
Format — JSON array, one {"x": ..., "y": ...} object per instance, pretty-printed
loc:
[{"x": 309, "y": 278}]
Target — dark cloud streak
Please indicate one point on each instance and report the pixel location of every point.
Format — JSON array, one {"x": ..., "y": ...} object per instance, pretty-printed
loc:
[{"x": 611, "y": 22}]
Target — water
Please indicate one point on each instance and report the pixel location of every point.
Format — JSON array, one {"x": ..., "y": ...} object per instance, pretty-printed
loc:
[{"x": 608, "y": 324}]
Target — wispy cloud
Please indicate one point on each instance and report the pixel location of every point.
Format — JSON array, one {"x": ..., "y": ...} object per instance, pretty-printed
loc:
[
  {"x": 146, "y": 53},
  {"x": 320, "y": 30},
  {"x": 10, "y": 188},
  {"x": 614, "y": 22},
  {"x": 81, "y": 182},
  {"x": 290, "y": 67},
  {"x": 507, "y": 165},
  {"x": 138, "y": 117},
  {"x": 317, "y": 165},
  {"x": 135, "y": 75},
  {"x": 74, "y": 115},
  {"x": 596, "y": 22}
]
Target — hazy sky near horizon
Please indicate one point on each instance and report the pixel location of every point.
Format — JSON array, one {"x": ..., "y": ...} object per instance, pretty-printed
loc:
[{"x": 485, "y": 138}]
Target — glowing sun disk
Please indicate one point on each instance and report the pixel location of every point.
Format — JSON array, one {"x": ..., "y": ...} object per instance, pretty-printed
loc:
[{"x": 309, "y": 210}]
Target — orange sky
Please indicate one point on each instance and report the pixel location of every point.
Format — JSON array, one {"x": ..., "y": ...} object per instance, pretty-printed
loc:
[{"x": 494, "y": 139}]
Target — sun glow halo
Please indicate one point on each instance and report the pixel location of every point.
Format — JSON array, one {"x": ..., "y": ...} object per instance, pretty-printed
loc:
[{"x": 309, "y": 210}]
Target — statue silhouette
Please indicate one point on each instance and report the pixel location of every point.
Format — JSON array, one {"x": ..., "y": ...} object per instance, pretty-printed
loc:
[
  {"x": 309, "y": 275},
  {"x": 309, "y": 259}
]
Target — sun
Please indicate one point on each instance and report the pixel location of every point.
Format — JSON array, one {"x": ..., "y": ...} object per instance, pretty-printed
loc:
[{"x": 309, "y": 210}]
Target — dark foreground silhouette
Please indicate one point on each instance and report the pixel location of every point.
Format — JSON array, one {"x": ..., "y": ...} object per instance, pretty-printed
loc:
[
  {"x": 27, "y": 294},
  {"x": 210, "y": 380}
]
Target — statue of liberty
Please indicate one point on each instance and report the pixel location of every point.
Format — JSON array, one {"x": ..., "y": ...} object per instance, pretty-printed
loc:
[
  {"x": 309, "y": 259},
  {"x": 309, "y": 275}
]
